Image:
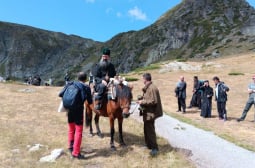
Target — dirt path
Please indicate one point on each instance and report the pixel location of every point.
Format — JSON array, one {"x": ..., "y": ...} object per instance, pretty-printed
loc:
[{"x": 204, "y": 148}]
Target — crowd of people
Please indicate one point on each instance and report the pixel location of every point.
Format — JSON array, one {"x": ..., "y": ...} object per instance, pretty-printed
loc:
[
  {"x": 202, "y": 97},
  {"x": 150, "y": 101},
  {"x": 100, "y": 74}
]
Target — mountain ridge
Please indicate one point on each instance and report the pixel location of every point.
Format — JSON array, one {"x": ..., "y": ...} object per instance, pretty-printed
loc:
[{"x": 194, "y": 29}]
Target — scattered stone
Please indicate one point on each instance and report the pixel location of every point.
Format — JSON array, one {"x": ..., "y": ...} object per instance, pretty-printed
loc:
[
  {"x": 176, "y": 66},
  {"x": 16, "y": 150},
  {"x": 36, "y": 147},
  {"x": 53, "y": 156},
  {"x": 27, "y": 90},
  {"x": 94, "y": 165},
  {"x": 216, "y": 53},
  {"x": 179, "y": 127}
]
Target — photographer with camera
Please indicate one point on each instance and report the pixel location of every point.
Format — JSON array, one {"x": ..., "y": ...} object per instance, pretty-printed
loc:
[{"x": 150, "y": 109}]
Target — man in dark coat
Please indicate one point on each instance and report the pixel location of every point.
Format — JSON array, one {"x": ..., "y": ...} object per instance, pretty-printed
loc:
[
  {"x": 180, "y": 93},
  {"x": 221, "y": 97},
  {"x": 196, "y": 97},
  {"x": 102, "y": 73},
  {"x": 152, "y": 109},
  {"x": 206, "y": 103}
]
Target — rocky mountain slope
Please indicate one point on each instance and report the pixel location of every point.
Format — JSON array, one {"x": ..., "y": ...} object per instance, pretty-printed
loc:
[{"x": 197, "y": 29}]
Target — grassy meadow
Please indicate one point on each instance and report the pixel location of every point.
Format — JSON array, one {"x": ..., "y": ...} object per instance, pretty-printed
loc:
[{"x": 29, "y": 116}]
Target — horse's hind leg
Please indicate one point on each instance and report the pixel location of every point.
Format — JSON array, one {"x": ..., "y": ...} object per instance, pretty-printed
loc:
[
  {"x": 99, "y": 133},
  {"x": 122, "y": 143}
]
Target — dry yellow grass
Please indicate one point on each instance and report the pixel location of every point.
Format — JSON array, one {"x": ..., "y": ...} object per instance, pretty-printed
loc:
[
  {"x": 28, "y": 116},
  {"x": 242, "y": 133}
]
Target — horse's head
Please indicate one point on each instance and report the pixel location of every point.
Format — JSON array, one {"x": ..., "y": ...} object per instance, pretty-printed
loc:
[{"x": 124, "y": 96}]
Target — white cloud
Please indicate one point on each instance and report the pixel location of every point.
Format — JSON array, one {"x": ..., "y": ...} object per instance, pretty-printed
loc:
[
  {"x": 137, "y": 13},
  {"x": 119, "y": 14},
  {"x": 108, "y": 10},
  {"x": 90, "y": 1}
]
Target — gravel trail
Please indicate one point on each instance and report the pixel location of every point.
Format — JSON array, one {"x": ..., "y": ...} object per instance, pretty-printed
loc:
[{"x": 204, "y": 148}]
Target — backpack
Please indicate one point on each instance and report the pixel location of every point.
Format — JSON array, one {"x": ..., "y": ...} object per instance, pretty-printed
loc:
[{"x": 72, "y": 97}]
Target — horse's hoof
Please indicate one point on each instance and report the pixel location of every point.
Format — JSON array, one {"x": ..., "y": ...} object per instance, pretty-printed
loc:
[
  {"x": 123, "y": 145},
  {"x": 100, "y": 135},
  {"x": 113, "y": 148}
]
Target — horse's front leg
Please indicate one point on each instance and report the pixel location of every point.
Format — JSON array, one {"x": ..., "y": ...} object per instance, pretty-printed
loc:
[
  {"x": 89, "y": 115},
  {"x": 120, "y": 122},
  {"x": 112, "y": 133},
  {"x": 99, "y": 133}
]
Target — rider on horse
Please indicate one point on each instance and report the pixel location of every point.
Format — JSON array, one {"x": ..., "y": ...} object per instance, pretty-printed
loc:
[{"x": 102, "y": 72}]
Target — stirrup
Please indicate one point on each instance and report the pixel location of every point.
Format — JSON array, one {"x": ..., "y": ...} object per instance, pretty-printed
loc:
[{"x": 98, "y": 106}]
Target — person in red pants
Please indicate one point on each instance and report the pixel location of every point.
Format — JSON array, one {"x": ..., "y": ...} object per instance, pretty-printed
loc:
[{"x": 75, "y": 116}]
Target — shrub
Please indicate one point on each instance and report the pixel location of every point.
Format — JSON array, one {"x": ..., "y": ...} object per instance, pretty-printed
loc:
[
  {"x": 235, "y": 73},
  {"x": 130, "y": 79}
]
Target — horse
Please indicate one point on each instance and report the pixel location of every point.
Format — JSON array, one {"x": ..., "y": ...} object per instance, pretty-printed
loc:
[{"x": 113, "y": 108}]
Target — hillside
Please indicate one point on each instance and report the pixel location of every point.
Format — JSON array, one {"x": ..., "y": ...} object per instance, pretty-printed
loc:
[{"x": 194, "y": 29}]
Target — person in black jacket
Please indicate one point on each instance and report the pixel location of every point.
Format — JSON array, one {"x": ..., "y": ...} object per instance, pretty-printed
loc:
[
  {"x": 196, "y": 97},
  {"x": 180, "y": 93},
  {"x": 102, "y": 73},
  {"x": 221, "y": 97},
  {"x": 207, "y": 94}
]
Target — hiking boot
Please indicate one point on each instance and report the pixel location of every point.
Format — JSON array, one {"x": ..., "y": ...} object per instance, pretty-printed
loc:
[
  {"x": 80, "y": 156},
  {"x": 154, "y": 152},
  {"x": 239, "y": 119}
]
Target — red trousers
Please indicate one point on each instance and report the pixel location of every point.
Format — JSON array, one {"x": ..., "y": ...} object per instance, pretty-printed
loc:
[{"x": 75, "y": 137}]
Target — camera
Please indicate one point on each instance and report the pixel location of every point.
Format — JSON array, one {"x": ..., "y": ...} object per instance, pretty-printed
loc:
[
  {"x": 139, "y": 97},
  {"x": 141, "y": 110}
]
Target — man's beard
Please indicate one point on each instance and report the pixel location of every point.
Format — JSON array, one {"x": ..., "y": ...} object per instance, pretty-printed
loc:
[{"x": 104, "y": 64}]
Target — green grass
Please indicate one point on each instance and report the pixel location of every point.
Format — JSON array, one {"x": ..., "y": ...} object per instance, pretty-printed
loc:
[
  {"x": 181, "y": 60},
  {"x": 235, "y": 141},
  {"x": 147, "y": 68},
  {"x": 235, "y": 73},
  {"x": 130, "y": 79}
]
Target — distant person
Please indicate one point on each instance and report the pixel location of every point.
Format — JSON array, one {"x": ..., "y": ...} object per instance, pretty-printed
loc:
[
  {"x": 75, "y": 115},
  {"x": 102, "y": 73},
  {"x": 221, "y": 97},
  {"x": 150, "y": 102},
  {"x": 180, "y": 93},
  {"x": 67, "y": 78},
  {"x": 50, "y": 81},
  {"x": 36, "y": 80},
  {"x": 196, "y": 97},
  {"x": 206, "y": 103},
  {"x": 250, "y": 101}
]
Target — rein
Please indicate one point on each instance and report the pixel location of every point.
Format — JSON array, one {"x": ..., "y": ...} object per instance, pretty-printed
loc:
[{"x": 134, "y": 108}]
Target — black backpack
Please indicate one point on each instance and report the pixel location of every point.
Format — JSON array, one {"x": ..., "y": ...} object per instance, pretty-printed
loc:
[{"x": 72, "y": 97}]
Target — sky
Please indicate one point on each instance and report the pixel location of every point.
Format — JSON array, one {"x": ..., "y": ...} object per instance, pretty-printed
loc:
[{"x": 98, "y": 20}]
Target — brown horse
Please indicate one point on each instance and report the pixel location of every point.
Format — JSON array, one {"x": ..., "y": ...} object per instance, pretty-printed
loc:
[{"x": 112, "y": 108}]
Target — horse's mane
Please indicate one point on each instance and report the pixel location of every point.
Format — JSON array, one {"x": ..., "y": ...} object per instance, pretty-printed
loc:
[{"x": 124, "y": 92}]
